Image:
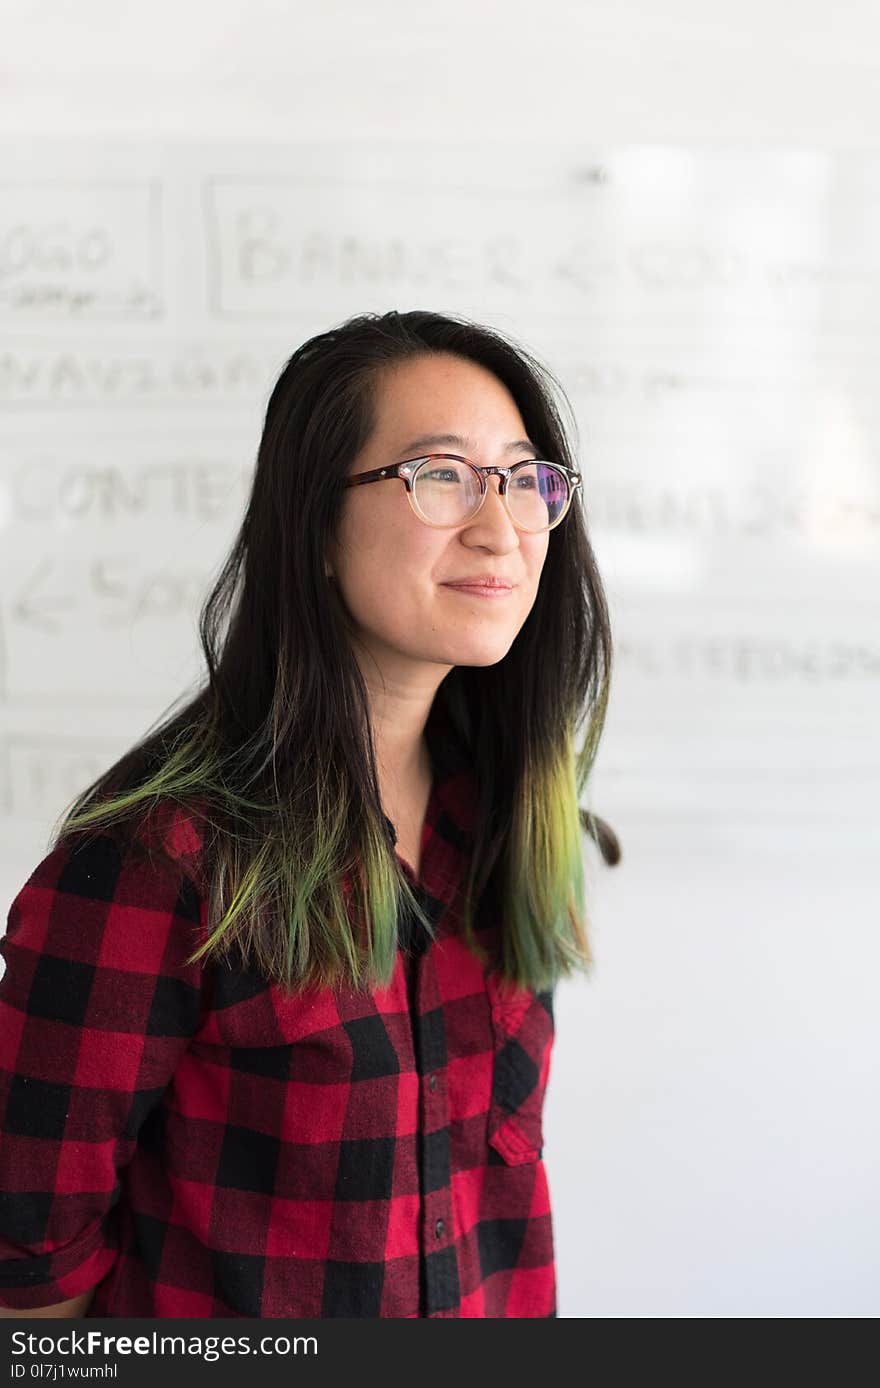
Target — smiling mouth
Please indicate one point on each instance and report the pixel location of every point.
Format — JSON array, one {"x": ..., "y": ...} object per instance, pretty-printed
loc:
[{"x": 479, "y": 590}]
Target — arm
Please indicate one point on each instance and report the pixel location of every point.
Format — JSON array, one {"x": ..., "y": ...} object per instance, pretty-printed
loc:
[
  {"x": 97, "y": 1006},
  {"x": 77, "y": 1306}
]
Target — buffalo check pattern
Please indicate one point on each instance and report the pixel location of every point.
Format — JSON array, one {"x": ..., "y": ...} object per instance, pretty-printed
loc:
[{"x": 192, "y": 1142}]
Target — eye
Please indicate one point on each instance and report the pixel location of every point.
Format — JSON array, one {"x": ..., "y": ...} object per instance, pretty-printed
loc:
[{"x": 450, "y": 473}]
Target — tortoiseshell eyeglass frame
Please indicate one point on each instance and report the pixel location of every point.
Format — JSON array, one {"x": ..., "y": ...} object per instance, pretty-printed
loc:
[{"x": 406, "y": 472}]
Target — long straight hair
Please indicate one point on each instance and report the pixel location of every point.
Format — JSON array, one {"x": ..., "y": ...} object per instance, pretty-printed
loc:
[{"x": 272, "y": 760}]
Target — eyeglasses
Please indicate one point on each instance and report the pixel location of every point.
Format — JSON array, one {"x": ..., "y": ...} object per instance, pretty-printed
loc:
[{"x": 446, "y": 490}]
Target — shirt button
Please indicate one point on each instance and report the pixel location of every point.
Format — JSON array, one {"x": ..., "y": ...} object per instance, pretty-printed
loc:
[
  {"x": 438, "y": 1229},
  {"x": 432, "y": 1083}
]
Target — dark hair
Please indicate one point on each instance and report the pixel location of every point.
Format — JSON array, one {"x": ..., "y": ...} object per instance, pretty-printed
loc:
[{"x": 272, "y": 760}]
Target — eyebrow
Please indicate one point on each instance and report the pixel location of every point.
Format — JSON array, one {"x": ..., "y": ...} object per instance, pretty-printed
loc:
[{"x": 432, "y": 440}]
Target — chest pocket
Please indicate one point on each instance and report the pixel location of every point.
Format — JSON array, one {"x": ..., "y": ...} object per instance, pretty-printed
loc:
[{"x": 523, "y": 1033}]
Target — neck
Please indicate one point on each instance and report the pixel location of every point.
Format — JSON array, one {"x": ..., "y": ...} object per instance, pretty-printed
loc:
[
  {"x": 400, "y": 700},
  {"x": 400, "y": 770}
]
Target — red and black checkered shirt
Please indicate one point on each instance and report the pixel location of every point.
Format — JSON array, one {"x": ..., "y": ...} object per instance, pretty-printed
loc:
[{"x": 193, "y": 1143}]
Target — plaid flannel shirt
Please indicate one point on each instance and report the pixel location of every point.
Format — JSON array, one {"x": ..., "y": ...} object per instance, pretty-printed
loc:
[{"x": 192, "y": 1143}]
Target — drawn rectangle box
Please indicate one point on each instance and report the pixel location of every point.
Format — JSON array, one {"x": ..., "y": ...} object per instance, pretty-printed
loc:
[{"x": 81, "y": 251}]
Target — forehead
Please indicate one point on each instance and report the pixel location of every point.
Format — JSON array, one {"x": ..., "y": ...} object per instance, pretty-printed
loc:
[{"x": 440, "y": 402}]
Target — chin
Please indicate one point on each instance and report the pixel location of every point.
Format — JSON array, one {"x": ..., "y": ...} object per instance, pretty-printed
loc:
[{"x": 475, "y": 653}]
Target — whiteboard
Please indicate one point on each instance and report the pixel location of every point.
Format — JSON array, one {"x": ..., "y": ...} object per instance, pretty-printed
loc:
[{"x": 713, "y": 319}]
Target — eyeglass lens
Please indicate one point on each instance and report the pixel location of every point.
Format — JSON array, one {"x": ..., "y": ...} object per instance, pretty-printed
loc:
[{"x": 447, "y": 492}]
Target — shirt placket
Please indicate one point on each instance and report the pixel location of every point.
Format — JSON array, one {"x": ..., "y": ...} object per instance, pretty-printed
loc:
[{"x": 440, "y": 1291}]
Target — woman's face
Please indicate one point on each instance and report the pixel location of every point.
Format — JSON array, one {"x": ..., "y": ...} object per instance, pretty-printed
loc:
[{"x": 391, "y": 568}]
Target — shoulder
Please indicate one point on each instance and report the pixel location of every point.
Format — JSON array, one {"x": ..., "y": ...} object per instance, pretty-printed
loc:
[{"x": 130, "y": 894}]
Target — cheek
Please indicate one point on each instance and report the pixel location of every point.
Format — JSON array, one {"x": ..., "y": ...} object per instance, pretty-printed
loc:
[
  {"x": 535, "y": 554},
  {"x": 387, "y": 530},
  {"x": 383, "y": 592}
]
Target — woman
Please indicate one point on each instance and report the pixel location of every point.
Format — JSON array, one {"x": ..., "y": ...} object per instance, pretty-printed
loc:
[{"x": 276, "y": 1020}]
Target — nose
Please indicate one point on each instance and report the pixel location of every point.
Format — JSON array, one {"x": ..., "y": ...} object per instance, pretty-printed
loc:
[{"x": 494, "y": 509}]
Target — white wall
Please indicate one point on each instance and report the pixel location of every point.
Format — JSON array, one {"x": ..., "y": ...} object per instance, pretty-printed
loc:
[{"x": 679, "y": 212}]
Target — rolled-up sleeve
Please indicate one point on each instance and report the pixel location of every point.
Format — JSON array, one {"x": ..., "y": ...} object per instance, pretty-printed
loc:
[{"x": 97, "y": 1006}]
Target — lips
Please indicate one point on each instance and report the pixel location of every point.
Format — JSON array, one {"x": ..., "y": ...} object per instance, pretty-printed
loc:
[
  {"x": 486, "y": 592},
  {"x": 480, "y": 583}
]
